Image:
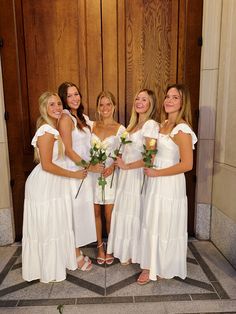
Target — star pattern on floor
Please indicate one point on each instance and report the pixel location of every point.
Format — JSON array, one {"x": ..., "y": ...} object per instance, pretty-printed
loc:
[{"x": 113, "y": 284}]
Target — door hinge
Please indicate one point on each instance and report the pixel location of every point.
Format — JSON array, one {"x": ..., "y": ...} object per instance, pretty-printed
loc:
[
  {"x": 12, "y": 183},
  {"x": 6, "y": 115},
  {"x": 199, "y": 41}
]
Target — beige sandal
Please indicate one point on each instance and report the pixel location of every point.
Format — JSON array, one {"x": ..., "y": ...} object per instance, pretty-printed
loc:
[
  {"x": 87, "y": 265},
  {"x": 126, "y": 263},
  {"x": 143, "y": 278}
]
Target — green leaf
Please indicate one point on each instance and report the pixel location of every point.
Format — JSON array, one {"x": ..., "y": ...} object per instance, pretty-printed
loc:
[{"x": 60, "y": 308}]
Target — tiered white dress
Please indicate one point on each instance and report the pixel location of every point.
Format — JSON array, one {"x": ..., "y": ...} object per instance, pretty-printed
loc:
[
  {"x": 48, "y": 245},
  {"x": 110, "y": 143},
  {"x": 164, "y": 227},
  {"x": 124, "y": 237},
  {"x": 83, "y": 210}
]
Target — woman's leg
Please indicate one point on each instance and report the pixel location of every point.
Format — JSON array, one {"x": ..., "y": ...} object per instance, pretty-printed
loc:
[
  {"x": 98, "y": 220},
  {"x": 108, "y": 212}
]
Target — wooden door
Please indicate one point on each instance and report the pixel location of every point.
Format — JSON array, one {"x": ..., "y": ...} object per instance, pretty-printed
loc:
[{"x": 98, "y": 44}]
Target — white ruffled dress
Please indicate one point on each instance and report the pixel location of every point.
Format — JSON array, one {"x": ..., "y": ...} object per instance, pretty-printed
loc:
[
  {"x": 124, "y": 237},
  {"x": 48, "y": 245},
  {"x": 164, "y": 235},
  {"x": 83, "y": 209},
  {"x": 110, "y": 143}
]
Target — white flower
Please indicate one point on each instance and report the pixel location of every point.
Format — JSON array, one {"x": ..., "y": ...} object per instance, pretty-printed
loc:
[
  {"x": 103, "y": 146},
  {"x": 124, "y": 135}
]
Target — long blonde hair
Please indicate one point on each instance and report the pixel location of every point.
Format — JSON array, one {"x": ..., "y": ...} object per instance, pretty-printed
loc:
[
  {"x": 185, "y": 110},
  {"x": 45, "y": 119},
  {"x": 151, "y": 112},
  {"x": 110, "y": 97}
]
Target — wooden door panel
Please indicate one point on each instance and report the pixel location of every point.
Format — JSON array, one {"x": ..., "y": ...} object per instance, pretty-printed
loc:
[
  {"x": 119, "y": 45},
  {"x": 94, "y": 53},
  {"x": 50, "y": 47},
  {"x": 121, "y": 50}
]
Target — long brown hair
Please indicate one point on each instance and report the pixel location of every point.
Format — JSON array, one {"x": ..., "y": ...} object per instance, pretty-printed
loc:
[
  {"x": 62, "y": 92},
  {"x": 185, "y": 110}
]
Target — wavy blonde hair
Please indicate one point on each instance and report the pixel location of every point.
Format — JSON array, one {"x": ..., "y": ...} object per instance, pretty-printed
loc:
[
  {"x": 185, "y": 110},
  {"x": 44, "y": 118},
  {"x": 151, "y": 112},
  {"x": 110, "y": 97}
]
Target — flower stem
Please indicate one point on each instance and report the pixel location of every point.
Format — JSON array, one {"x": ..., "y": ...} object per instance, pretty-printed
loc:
[
  {"x": 79, "y": 188},
  {"x": 113, "y": 172},
  {"x": 143, "y": 184}
]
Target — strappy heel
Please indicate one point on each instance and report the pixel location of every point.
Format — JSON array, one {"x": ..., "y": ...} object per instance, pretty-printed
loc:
[{"x": 100, "y": 260}]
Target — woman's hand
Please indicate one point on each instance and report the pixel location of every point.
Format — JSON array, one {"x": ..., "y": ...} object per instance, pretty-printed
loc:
[
  {"x": 81, "y": 174},
  {"x": 150, "y": 172},
  {"x": 108, "y": 171},
  {"x": 98, "y": 168},
  {"x": 121, "y": 164}
]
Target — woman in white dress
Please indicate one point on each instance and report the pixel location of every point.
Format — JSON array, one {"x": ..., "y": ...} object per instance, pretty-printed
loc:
[
  {"x": 164, "y": 226},
  {"x": 124, "y": 235},
  {"x": 106, "y": 132},
  {"x": 74, "y": 128},
  {"x": 48, "y": 238}
]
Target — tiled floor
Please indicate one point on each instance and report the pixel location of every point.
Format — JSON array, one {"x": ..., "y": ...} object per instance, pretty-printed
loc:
[{"x": 209, "y": 288}]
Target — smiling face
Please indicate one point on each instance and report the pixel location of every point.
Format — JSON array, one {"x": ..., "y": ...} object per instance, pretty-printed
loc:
[
  {"x": 106, "y": 108},
  {"x": 142, "y": 103},
  {"x": 54, "y": 107},
  {"x": 173, "y": 101},
  {"x": 73, "y": 98}
]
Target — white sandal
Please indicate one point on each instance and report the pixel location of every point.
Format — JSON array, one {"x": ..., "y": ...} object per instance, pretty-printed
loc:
[{"x": 87, "y": 265}]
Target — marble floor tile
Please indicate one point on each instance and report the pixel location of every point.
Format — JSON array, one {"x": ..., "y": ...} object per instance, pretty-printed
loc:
[{"x": 210, "y": 287}]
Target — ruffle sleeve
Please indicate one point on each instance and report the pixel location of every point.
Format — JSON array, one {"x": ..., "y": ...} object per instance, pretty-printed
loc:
[
  {"x": 120, "y": 131},
  {"x": 45, "y": 128},
  {"x": 183, "y": 127},
  {"x": 150, "y": 129},
  {"x": 88, "y": 121},
  {"x": 66, "y": 111}
]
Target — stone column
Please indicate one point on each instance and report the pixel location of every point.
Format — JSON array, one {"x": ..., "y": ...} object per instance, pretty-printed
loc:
[
  {"x": 211, "y": 32},
  {"x": 7, "y": 229}
]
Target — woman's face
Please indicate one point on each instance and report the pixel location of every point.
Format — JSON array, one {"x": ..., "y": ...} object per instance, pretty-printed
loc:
[
  {"x": 54, "y": 107},
  {"x": 73, "y": 98},
  {"x": 106, "y": 108},
  {"x": 173, "y": 101},
  {"x": 142, "y": 103}
]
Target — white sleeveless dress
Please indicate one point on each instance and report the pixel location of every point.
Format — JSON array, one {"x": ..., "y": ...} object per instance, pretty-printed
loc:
[
  {"x": 111, "y": 143},
  {"x": 123, "y": 240},
  {"x": 164, "y": 235},
  {"x": 48, "y": 245},
  {"x": 83, "y": 210}
]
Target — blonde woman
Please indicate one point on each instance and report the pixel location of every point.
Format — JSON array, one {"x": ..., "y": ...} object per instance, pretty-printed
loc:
[
  {"x": 124, "y": 235},
  {"x": 48, "y": 239},
  {"x": 107, "y": 132},
  {"x": 164, "y": 228}
]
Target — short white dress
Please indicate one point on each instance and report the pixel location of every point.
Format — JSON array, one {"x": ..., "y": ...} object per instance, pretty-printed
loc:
[
  {"x": 48, "y": 245},
  {"x": 164, "y": 235},
  {"x": 111, "y": 143},
  {"x": 83, "y": 209},
  {"x": 124, "y": 237}
]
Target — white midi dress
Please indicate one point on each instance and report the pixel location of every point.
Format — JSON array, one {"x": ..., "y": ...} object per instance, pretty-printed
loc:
[
  {"x": 110, "y": 143},
  {"x": 48, "y": 245},
  {"x": 164, "y": 235},
  {"x": 83, "y": 209},
  {"x": 124, "y": 237}
]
